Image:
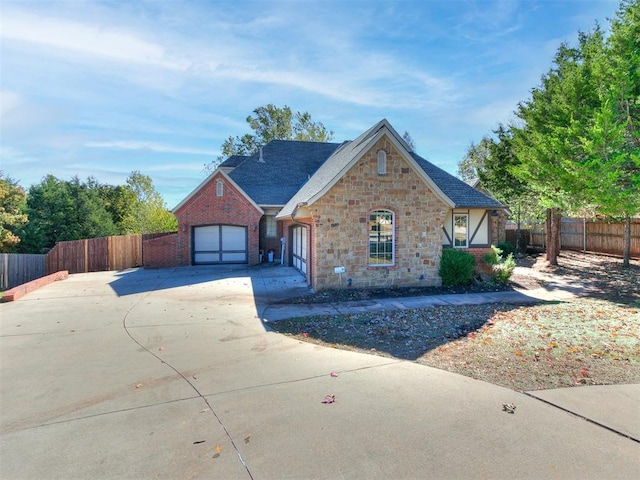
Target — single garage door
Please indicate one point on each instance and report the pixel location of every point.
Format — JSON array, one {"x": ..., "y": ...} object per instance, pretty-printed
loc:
[
  {"x": 299, "y": 249},
  {"x": 219, "y": 244}
]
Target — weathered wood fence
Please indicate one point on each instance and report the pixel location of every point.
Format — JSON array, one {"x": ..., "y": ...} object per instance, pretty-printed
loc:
[
  {"x": 587, "y": 235},
  {"x": 96, "y": 254},
  {"x": 16, "y": 269}
]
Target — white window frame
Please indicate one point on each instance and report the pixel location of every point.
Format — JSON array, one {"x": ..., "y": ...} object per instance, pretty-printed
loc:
[
  {"x": 376, "y": 230},
  {"x": 457, "y": 229},
  {"x": 219, "y": 188},
  {"x": 382, "y": 162}
]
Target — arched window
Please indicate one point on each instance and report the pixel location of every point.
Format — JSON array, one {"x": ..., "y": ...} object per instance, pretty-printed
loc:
[
  {"x": 382, "y": 162},
  {"x": 219, "y": 188},
  {"x": 381, "y": 238}
]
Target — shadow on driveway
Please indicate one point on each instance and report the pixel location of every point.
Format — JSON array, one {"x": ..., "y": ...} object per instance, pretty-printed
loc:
[{"x": 266, "y": 283}]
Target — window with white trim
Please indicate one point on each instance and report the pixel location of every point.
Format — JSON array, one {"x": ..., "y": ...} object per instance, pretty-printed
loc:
[
  {"x": 382, "y": 162},
  {"x": 381, "y": 238},
  {"x": 460, "y": 230},
  {"x": 219, "y": 188}
]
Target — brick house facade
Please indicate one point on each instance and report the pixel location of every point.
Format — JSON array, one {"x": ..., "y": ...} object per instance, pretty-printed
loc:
[{"x": 370, "y": 207}]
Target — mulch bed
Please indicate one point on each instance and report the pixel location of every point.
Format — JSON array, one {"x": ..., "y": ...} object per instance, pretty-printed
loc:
[{"x": 595, "y": 340}]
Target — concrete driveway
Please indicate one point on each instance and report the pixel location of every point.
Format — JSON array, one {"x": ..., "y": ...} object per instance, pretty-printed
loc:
[{"x": 172, "y": 374}]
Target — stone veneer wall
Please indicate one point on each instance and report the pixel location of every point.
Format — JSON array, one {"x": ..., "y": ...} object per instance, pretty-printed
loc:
[{"x": 342, "y": 225}]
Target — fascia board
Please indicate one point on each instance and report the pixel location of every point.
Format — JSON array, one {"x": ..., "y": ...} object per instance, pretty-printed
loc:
[
  {"x": 207, "y": 180},
  {"x": 385, "y": 129}
]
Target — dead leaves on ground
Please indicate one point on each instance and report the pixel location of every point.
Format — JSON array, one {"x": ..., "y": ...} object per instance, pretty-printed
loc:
[{"x": 521, "y": 347}]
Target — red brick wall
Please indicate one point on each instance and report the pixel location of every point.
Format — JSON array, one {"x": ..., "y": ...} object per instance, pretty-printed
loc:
[
  {"x": 205, "y": 208},
  {"x": 160, "y": 251},
  {"x": 479, "y": 253}
]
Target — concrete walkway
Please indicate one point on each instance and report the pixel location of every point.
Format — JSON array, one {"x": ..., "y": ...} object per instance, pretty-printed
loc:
[
  {"x": 172, "y": 374},
  {"x": 277, "y": 312}
]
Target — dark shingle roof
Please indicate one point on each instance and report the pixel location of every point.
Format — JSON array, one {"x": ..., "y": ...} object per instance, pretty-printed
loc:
[
  {"x": 286, "y": 166},
  {"x": 461, "y": 193},
  {"x": 293, "y": 172},
  {"x": 233, "y": 161}
]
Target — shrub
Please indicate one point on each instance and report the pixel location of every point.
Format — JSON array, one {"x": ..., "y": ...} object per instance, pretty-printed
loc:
[
  {"x": 501, "y": 273},
  {"x": 456, "y": 267},
  {"x": 493, "y": 257},
  {"x": 507, "y": 248}
]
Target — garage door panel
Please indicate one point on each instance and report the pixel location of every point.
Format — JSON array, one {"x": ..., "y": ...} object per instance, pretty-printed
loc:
[
  {"x": 234, "y": 237},
  {"x": 219, "y": 244},
  {"x": 206, "y": 258},
  {"x": 234, "y": 257},
  {"x": 207, "y": 238}
]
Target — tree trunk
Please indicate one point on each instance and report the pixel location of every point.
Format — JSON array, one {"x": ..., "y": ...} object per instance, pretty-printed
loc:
[
  {"x": 626, "y": 253},
  {"x": 554, "y": 216}
]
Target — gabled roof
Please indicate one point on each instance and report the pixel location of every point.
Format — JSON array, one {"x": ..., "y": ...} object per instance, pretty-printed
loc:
[
  {"x": 221, "y": 172},
  {"x": 462, "y": 194},
  {"x": 233, "y": 161},
  {"x": 286, "y": 165},
  {"x": 450, "y": 189},
  {"x": 291, "y": 173}
]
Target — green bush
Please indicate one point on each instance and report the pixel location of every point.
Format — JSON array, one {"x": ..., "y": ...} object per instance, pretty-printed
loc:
[
  {"x": 507, "y": 248},
  {"x": 501, "y": 273},
  {"x": 494, "y": 257},
  {"x": 456, "y": 267}
]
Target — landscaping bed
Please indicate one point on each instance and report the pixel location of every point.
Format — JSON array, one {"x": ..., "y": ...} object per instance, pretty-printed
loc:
[{"x": 592, "y": 340}]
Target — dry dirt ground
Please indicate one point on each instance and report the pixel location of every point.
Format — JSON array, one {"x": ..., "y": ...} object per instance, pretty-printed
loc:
[{"x": 594, "y": 339}]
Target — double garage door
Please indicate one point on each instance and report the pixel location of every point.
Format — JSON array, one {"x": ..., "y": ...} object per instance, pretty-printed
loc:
[{"x": 219, "y": 244}]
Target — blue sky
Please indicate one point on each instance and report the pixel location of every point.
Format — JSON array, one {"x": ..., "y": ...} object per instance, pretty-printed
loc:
[{"x": 102, "y": 88}]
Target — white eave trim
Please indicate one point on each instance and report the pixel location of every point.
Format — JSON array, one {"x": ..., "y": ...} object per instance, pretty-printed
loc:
[
  {"x": 385, "y": 129},
  {"x": 207, "y": 180}
]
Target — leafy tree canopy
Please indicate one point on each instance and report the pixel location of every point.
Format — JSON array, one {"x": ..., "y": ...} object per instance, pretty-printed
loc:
[
  {"x": 273, "y": 123},
  {"x": 13, "y": 206}
]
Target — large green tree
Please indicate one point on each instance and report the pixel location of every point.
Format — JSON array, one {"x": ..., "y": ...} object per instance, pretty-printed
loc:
[
  {"x": 579, "y": 143},
  {"x": 611, "y": 142},
  {"x": 13, "y": 206},
  {"x": 145, "y": 209},
  {"x": 64, "y": 210},
  {"x": 273, "y": 123}
]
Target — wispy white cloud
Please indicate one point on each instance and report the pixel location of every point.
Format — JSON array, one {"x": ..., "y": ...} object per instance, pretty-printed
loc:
[
  {"x": 86, "y": 38},
  {"x": 148, "y": 147}
]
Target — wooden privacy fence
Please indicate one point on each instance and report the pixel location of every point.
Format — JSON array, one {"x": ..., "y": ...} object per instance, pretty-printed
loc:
[
  {"x": 96, "y": 254},
  {"x": 589, "y": 235},
  {"x": 16, "y": 269}
]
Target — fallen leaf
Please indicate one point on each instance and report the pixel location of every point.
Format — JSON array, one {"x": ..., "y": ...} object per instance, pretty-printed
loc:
[
  {"x": 161, "y": 349},
  {"x": 333, "y": 374},
  {"x": 329, "y": 399},
  {"x": 218, "y": 448}
]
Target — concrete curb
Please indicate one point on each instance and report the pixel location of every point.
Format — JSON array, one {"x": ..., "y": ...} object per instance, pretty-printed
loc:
[{"x": 20, "y": 291}]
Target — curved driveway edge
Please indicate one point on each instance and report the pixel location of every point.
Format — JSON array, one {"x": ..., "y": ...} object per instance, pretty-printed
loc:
[{"x": 172, "y": 374}]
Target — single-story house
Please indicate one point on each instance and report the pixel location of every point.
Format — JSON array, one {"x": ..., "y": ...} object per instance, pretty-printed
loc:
[{"x": 367, "y": 212}]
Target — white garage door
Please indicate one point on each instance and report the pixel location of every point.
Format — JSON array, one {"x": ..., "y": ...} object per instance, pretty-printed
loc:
[
  {"x": 299, "y": 249},
  {"x": 219, "y": 244}
]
